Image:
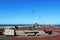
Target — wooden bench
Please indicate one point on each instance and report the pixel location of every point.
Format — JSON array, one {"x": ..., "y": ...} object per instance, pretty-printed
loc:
[{"x": 31, "y": 33}]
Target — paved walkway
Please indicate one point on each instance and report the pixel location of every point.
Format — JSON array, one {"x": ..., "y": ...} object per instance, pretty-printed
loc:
[{"x": 3, "y": 37}]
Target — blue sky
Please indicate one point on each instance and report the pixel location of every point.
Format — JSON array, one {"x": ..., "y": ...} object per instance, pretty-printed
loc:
[{"x": 20, "y": 11}]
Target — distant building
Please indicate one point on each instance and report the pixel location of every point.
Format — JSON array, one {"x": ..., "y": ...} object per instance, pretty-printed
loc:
[
  {"x": 24, "y": 28},
  {"x": 7, "y": 27}
]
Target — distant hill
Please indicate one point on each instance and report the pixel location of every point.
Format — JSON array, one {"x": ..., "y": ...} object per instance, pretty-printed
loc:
[
  {"x": 57, "y": 25},
  {"x": 15, "y": 24},
  {"x": 25, "y": 25}
]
